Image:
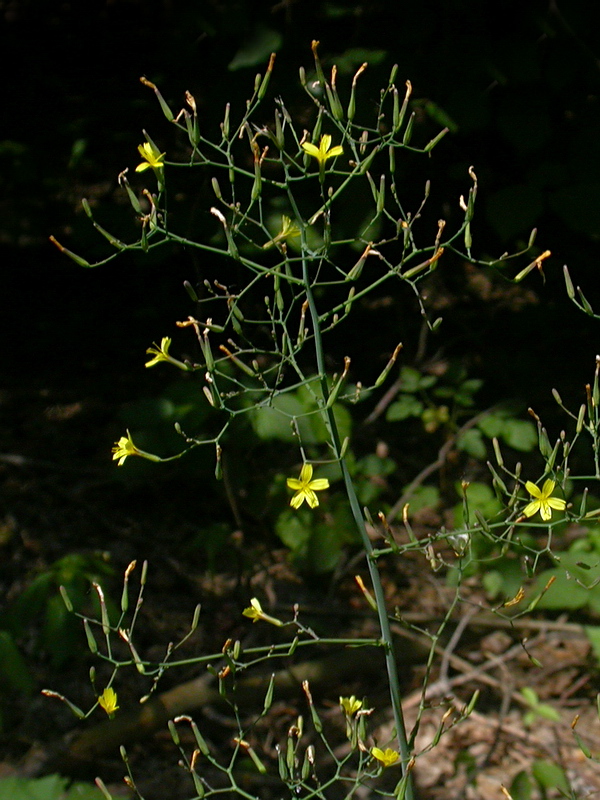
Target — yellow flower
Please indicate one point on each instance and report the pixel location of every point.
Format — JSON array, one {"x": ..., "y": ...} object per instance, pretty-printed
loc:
[
  {"x": 152, "y": 158},
  {"x": 305, "y": 487},
  {"x": 289, "y": 230},
  {"x": 161, "y": 353},
  {"x": 322, "y": 152},
  {"x": 543, "y": 502},
  {"x": 125, "y": 448},
  {"x": 255, "y": 612},
  {"x": 350, "y": 705},
  {"x": 108, "y": 701},
  {"x": 386, "y": 757}
]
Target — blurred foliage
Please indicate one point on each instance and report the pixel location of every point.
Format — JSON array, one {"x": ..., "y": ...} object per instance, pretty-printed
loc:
[
  {"x": 517, "y": 85},
  {"x": 38, "y": 621},
  {"x": 50, "y": 787}
]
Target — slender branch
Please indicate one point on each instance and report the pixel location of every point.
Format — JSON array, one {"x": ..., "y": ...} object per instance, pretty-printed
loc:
[{"x": 384, "y": 625}]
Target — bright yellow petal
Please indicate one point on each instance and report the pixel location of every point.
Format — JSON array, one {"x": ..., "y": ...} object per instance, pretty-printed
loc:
[
  {"x": 554, "y": 502},
  {"x": 325, "y": 143},
  {"x": 294, "y": 483},
  {"x": 311, "y": 498},
  {"x": 319, "y": 484},
  {"x": 532, "y": 508},
  {"x": 297, "y": 500},
  {"x": 548, "y": 487},
  {"x": 533, "y": 489},
  {"x": 306, "y": 472},
  {"x": 545, "y": 511},
  {"x": 310, "y": 148},
  {"x": 141, "y": 167},
  {"x": 338, "y": 150}
]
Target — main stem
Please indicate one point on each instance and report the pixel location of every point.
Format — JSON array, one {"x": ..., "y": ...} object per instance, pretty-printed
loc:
[{"x": 384, "y": 624}]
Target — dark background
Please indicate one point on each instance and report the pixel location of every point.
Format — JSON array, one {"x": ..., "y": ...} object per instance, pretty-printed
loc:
[{"x": 519, "y": 82}]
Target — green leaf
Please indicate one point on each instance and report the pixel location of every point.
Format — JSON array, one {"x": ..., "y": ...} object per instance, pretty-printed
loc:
[
  {"x": 275, "y": 421},
  {"x": 14, "y": 675},
  {"x": 520, "y": 435},
  {"x": 424, "y": 497},
  {"x": 411, "y": 380},
  {"x": 520, "y": 788},
  {"x": 51, "y": 787},
  {"x": 547, "y": 712},
  {"x": 492, "y": 583},
  {"x": 294, "y": 529},
  {"x": 406, "y": 406},
  {"x": 574, "y": 583},
  {"x": 530, "y": 695},
  {"x": 492, "y": 424},
  {"x": 550, "y": 776},
  {"x": 471, "y": 442},
  {"x": 374, "y": 466}
]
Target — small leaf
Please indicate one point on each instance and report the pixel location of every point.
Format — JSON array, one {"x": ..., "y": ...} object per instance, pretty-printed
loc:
[
  {"x": 550, "y": 776},
  {"x": 520, "y": 435},
  {"x": 407, "y": 406},
  {"x": 472, "y": 443}
]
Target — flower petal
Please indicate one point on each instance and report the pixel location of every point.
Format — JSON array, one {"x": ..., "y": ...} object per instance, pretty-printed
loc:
[
  {"x": 548, "y": 487},
  {"x": 545, "y": 511},
  {"x": 294, "y": 483},
  {"x": 319, "y": 484},
  {"x": 311, "y": 497},
  {"x": 533, "y": 489},
  {"x": 306, "y": 472},
  {"x": 532, "y": 508},
  {"x": 554, "y": 502},
  {"x": 325, "y": 143},
  {"x": 310, "y": 148},
  {"x": 338, "y": 150},
  {"x": 297, "y": 500}
]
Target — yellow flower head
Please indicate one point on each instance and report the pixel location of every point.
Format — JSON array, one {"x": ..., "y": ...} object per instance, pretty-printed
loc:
[
  {"x": 152, "y": 158},
  {"x": 386, "y": 757},
  {"x": 125, "y": 448},
  {"x": 350, "y": 705},
  {"x": 255, "y": 612},
  {"x": 160, "y": 353},
  {"x": 323, "y": 152},
  {"x": 108, "y": 701},
  {"x": 543, "y": 500},
  {"x": 289, "y": 230},
  {"x": 305, "y": 488}
]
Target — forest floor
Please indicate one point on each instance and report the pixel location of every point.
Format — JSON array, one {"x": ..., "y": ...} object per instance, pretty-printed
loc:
[{"x": 60, "y": 496}]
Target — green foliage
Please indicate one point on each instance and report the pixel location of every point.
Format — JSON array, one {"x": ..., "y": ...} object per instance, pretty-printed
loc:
[
  {"x": 316, "y": 541},
  {"x": 291, "y": 416},
  {"x": 50, "y": 787},
  {"x": 548, "y": 777},
  {"x": 13, "y": 669},
  {"x": 537, "y": 710},
  {"x": 41, "y": 608}
]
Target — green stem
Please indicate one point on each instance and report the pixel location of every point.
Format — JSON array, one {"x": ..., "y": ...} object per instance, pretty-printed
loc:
[{"x": 384, "y": 625}]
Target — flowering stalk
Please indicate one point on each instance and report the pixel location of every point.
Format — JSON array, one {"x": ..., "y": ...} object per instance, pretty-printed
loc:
[{"x": 384, "y": 625}]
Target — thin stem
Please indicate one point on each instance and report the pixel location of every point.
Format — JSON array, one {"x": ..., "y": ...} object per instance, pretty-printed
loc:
[{"x": 384, "y": 625}]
